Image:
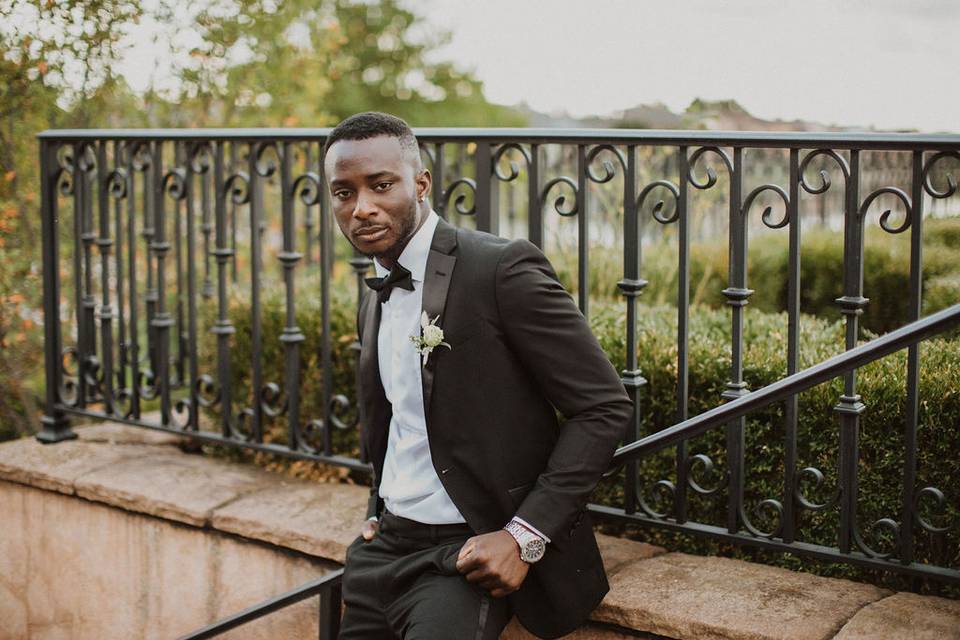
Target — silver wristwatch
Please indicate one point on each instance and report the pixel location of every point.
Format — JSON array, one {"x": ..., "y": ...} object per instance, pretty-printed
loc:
[{"x": 532, "y": 546}]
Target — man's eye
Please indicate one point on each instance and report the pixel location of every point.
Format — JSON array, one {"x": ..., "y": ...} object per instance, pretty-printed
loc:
[
  {"x": 341, "y": 194},
  {"x": 382, "y": 186}
]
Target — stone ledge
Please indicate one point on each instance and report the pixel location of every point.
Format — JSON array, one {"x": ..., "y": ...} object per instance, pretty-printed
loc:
[
  {"x": 684, "y": 596},
  {"x": 109, "y": 463},
  {"x": 56, "y": 467},
  {"x": 905, "y": 615},
  {"x": 312, "y": 517},
  {"x": 620, "y": 552},
  {"x": 653, "y": 594},
  {"x": 173, "y": 485}
]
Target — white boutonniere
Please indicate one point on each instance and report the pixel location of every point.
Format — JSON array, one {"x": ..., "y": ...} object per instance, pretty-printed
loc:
[{"x": 431, "y": 336}]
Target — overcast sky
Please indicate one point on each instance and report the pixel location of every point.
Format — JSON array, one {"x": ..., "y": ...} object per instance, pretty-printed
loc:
[
  {"x": 886, "y": 63},
  {"x": 889, "y": 64}
]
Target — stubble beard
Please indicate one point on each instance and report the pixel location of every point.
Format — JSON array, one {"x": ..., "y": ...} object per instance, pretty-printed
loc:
[{"x": 410, "y": 226}]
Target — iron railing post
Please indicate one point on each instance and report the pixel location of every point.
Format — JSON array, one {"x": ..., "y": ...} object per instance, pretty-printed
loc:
[
  {"x": 54, "y": 424},
  {"x": 850, "y": 407},
  {"x": 331, "y": 606},
  {"x": 631, "y": 287},
  {"x": 487, "y": 196}
]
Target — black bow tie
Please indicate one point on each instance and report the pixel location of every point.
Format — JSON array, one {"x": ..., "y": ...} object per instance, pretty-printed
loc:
[{"x": 399, "y": 276}]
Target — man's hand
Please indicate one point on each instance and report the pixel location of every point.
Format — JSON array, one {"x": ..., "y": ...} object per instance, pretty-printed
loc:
[
  {"x": 492, "y": 560},
  {"x": 369, "y": 529}
]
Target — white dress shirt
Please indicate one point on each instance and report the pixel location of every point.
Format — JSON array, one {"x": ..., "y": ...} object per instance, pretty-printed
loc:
[{"x": 409, "y": 484}]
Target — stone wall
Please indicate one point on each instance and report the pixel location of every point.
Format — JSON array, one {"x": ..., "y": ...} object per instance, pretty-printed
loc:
[{"x": 72, "y": 568}]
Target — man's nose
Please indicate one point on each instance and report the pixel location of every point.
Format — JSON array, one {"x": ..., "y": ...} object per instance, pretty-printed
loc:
[{"x": 365, "y": 207}]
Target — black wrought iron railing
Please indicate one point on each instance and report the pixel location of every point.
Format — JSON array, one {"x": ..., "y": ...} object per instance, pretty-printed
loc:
[
  {"x": 326, "y": 587},
  {"x": 852, "y": 548},
  {"x": 144, "y": 229},
  {"x": 903, "y": 338}
]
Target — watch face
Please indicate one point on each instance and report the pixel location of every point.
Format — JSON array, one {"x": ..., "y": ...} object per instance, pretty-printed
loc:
[{"x": 533, "y": 550}]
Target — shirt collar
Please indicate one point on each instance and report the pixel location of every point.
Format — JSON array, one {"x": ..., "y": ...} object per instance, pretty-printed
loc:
[{"x": 414, "y": 255}]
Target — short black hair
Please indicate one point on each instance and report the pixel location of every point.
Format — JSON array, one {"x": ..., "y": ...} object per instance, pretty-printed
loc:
[{"x": 371, "y": 124}]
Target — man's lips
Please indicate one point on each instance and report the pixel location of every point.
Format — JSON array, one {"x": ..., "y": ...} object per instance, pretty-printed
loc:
[{"x": 371, "y": 234}]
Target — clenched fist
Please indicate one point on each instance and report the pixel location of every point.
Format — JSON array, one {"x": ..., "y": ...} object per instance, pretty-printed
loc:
[{"x": 492, "y": 560}]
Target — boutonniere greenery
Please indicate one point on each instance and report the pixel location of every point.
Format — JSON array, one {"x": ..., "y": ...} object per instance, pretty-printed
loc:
[{"x": 431, "y": 336}]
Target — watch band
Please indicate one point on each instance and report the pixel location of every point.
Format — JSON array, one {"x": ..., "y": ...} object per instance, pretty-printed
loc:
[{"x": 532, "y": 546}]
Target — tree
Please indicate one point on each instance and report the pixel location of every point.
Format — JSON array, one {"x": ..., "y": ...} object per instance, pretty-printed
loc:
[
  {"x": 56, "y": 61},
  {"x": 309, "y": 63},
  {"x": 255, "y": 63}
]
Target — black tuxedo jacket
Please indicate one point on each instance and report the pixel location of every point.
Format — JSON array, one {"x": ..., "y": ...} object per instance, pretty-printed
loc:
[{"x": 521, "y": 352}]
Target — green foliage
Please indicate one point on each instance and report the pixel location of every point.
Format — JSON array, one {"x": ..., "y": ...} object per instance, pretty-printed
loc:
[
  {"x": 307, "y": 63},
  {"x": 886, "y": 273},
  {"x": 943, "y": 231},
  {"x": 35, "y": 68},
  {"x": 249, "y": 63},
  {"x": 882, "y": 385},
  {"x": 272, "y": 353},
  {"x": 378, "y": 66}
]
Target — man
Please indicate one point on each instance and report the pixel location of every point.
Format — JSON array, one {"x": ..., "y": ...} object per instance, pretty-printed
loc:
[{"x": 469, "y": 347}]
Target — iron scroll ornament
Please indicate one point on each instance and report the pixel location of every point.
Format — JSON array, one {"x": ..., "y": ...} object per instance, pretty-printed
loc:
[
  {"x": 928, "y": 180},
  {"x": 657, "y": 211},
  {"x": 711, "y": 178},
  {"x": 609, "y": 169},
  {"x": 885, "y": 216},
  {"x": 768, "y": 211},
  {"x": 561, "y": 199},
  {"x": 471, "y": 186},
  {"x": 500, "y": 153},
  {"x": 118, "y": 187}
]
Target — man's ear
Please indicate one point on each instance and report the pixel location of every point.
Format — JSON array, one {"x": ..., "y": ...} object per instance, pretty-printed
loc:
[{"x": 424, "y": 181}]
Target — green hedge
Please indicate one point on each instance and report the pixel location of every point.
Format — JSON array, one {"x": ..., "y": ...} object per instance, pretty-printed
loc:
[
  {"x": 272, "y": 352},
  {"x": 886, "y": 272},
  {"x": 881, "y": 384}
]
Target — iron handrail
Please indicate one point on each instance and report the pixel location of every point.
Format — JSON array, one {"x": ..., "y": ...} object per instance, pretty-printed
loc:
[
  {"x": 327, "y": 586},
  {"x": 791, "y": 385},
  {"x": 800, "y": 140}
]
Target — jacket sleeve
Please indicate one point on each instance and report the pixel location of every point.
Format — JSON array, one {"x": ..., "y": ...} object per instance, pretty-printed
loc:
[{"x": 553, "y": 341}]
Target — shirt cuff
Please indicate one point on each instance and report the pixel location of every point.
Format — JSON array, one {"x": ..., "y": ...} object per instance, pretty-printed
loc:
[
  {"x": 530, "y": 527},
  {"x": 373, "y": 518}
]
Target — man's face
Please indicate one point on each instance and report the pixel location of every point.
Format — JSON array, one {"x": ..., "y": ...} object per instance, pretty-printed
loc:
[{"x": 375, "y": 188}]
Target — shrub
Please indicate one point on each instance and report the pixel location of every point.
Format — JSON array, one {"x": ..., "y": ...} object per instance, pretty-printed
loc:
[
  {"x": 272, "y": 353},
  {"x": 882, "y": 385},
  {"x": 942, "y": 231},
  {"x": 886, "y": 273}
]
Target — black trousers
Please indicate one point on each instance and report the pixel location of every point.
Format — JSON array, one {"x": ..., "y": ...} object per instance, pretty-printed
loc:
[{"x": 404, "y": 584}]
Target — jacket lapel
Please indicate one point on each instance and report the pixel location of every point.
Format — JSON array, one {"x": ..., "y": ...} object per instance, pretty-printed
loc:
[
  {"x": 436, "y": 284},
  {"x": 369, "y": 360},
  {"x": 373, "y": 405}
]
